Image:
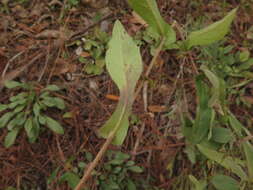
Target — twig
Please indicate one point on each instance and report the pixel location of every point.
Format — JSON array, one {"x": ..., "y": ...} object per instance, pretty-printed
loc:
[
  {"x": 111, "y": 136},
  {"x": 150, "y": 67}
]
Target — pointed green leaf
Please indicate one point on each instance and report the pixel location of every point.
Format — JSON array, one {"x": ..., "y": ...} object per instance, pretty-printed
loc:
[
  {"x": 21, "y": 95},
  {"x": 11, "y": 137},
  {"x": 5, "y": 118},
  {"x": 231, "y": 164},
  {"x": 248, "y": 150},
  {"x": 149, "y": 11},
  {"x": 124, "y": 64},
  {"x": 12, "y": 84},
  {"x": 221, "y": 135},
  {"x": 54, "y": 125},
  {"x": 59, "y": 103},
  {"x": 3, "y": 107},
  {"x": 18, "y": 120},
  {"x": 29, "y": 127},
  {"x": 211, "y": 33},
  {"x": 36, "y": 109},
  {"x": 222, "y": 182}
]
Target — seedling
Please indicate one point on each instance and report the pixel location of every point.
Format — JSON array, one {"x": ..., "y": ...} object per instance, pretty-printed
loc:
[
  {"x": 26, "y": 111},
  {"x": 94, "y": 48},
  {"x": 114, "y": 174}
]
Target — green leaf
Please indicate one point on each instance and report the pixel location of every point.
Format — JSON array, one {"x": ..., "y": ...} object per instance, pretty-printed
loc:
[
  {"x": 131, "y": 185},
  {"x": 54, "y": 125},
  {"x": 17, "y": 121},
  {"x": 222, "y": 182},
  {"x": 59, "y": 103},
  {"x": 221, "y": 135},
  {"x": 19, "y": 108},
  {"x": 244, "y": 55},
  {"x": 248, "y": 150},
  {"x": 149, "y": 11},
  {"x": 11, "y": 137},
  {"x": 48, "y": 101},
  {"x": 29, "y": 128},
  {"x": 52, "y": 88},
  {"x": 5, "y": 118},
  {"x": 72, "y": 179},
  {"x": 36, "y": 109},
  {"x": 12, "y": 84},
  {"x": 53, "y": 175},
  {"x": 231, "y": 164},
  {"x": 17, "y": 102},
  {"x": 211, "y": 33},
  {"x": 199, "y": 185},
  {"x": 135, "y": 169},
  {"x": 42, "y": 119},
  {"x": 124, "y": 64},
  {"x": 21, "y": 95},
  {"x": 205, "y": 114},
  {"x": 3, "y": 107}
]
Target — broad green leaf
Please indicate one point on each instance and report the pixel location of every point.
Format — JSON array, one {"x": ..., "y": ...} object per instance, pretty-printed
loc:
[
  {"x": 48, "y": 101},
  {"x": 211, "y": 33},
  {"x": 131, "y": 185},
  {"x": 244, "y": 56},
  {"x": 52, "y": 88},
  {"x": 18, "y": 120},
  {"x": 11, "y": 137},
  {"x": 54, "y": 125},
  {"x": 12, "y": 84},
  {"x": 59, "y": 103},
  {"x": 231, "y": 164},
  {"x": 221, "y": 135},
  {"x": 19, "y": 108},
  {"x": 149, "y": 11},
  {"x": 3, "y": 107},
  {"x": 70, "y": 177},
  {"x": 35, "y": 130},
  {"x": 29, "y": 128},
  {"x": 248, "y": 150},
  {"x": 199, "y": 185},
  {"x": 124, "y": 64},
  {"x": 19, "y": 96},
  {"x": 5, "y": 118},
  {"x": 17, "y": 102},
  {"x": 222, "y": 182},
  {"x": 36, "y": 109},
  {"x": 42, "y": 119}
]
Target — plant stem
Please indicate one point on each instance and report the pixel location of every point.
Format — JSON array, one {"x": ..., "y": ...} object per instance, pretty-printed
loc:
[
  {"x": 110, "y": 138},
  {"x": 151, "y": 65}
]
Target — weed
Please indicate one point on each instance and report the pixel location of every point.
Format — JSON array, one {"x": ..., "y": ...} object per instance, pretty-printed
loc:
[
  {"x": 94, "y": 48},
  {"x": 116, "y": 173},
  {"x": 25, "y": 110}
]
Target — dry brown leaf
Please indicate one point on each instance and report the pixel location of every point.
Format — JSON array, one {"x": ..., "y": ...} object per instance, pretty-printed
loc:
[{"x": 157, "y": 108}]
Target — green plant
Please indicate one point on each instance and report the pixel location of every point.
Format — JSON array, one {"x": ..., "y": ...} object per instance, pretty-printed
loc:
[
  {"x": 114, "y": 174},
  {"x": 25, "y": 110},
  {"x": 123, "y": 61},
  {"x": 94, "y": 47}
]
